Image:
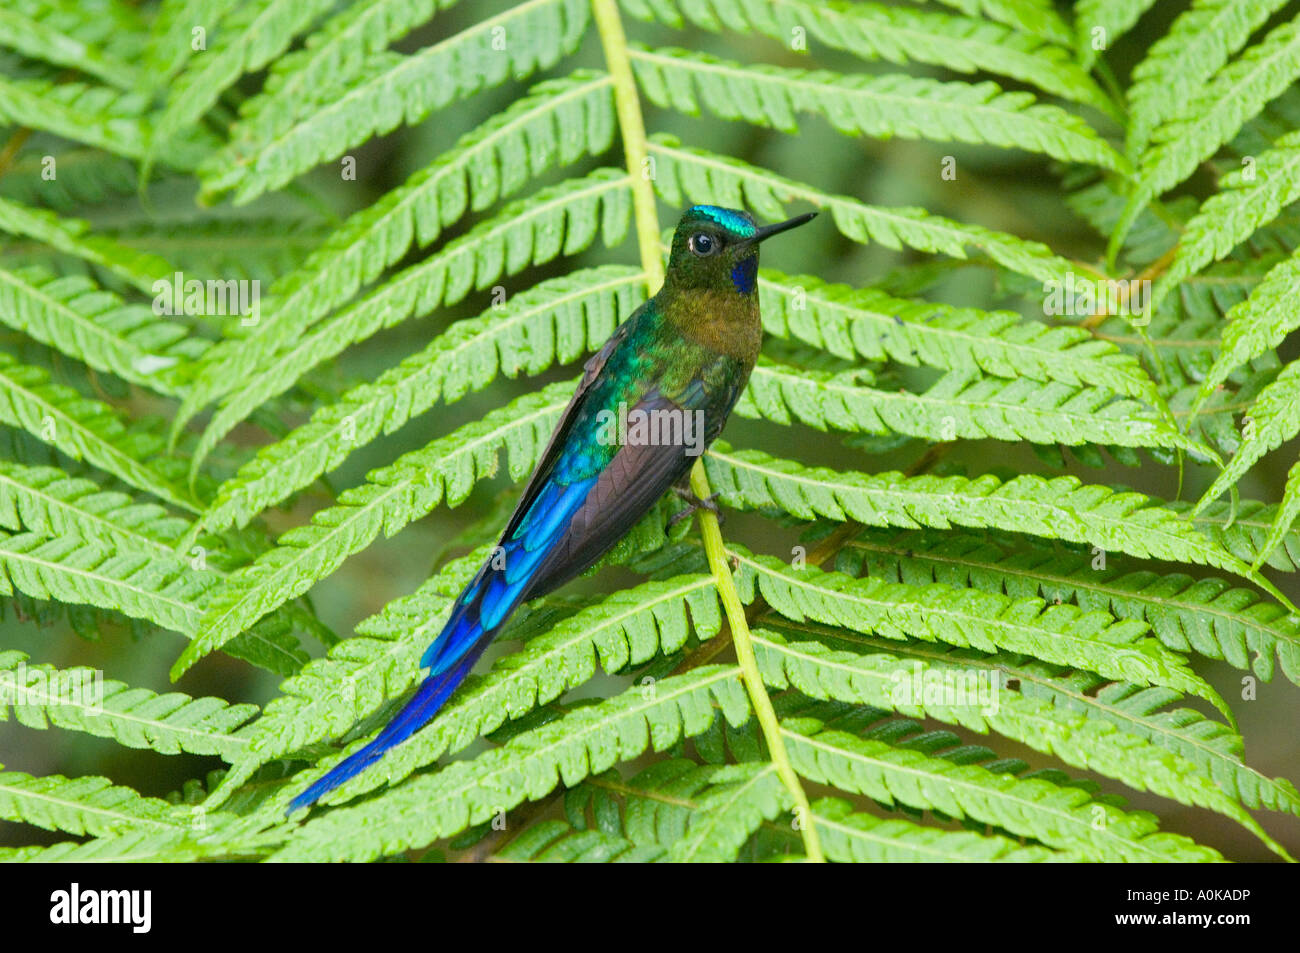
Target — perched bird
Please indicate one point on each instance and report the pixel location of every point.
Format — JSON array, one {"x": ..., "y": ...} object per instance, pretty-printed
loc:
[{"x": 649, "y": 402}]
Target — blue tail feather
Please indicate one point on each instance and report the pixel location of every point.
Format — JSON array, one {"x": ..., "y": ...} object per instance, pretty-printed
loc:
[
  {"x": 478, "y": 613},
  {"x": 435, "y": 690}
]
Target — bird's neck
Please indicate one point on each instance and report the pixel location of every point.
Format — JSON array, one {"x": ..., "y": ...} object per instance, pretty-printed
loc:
[{"x": 720, "y": 319}]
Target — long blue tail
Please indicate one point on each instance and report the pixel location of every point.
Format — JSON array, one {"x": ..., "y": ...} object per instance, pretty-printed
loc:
[
  {"x": 480, "y": 611},
  {"x": 435, "y": 690},
  {"x": 451, "y": 656}
]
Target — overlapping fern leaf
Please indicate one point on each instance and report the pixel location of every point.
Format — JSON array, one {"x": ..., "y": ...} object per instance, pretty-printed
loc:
[{"x": 1032, "y": 279}]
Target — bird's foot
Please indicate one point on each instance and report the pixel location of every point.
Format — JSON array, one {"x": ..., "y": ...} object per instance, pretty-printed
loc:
[{"x": 694, "y": 503}]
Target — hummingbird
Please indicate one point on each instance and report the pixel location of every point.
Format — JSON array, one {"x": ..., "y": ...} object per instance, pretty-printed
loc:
[{"x": 654, "y": 396}]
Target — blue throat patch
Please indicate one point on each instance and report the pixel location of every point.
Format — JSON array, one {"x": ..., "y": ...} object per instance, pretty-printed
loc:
[{"x": 744, "y": 274}]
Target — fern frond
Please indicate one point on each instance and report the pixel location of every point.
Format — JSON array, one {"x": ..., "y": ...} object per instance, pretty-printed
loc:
[
  {"x": 1113, "y": 18},
  {"x": 79, "y": 427},
  {"x": 47, "y": 501},
  {"x": 139, "y": 847},
  {"x": 1242, "y": 529},
  {"x": 1248, "y": 198},
  {"x": 171, "y": 36},
  {"x": 95, "y": 115},
  {"x": 332, "y": 57},
  {"x": 1273, "y": 419},
  {"x": 1058, "y": 508},
  {"x": 877, "y": 106},
  {"x": 685, "y": 173},
  {"x": 1283, "y": 520},
  {"x": 85, "y": 176},
  {"x": 1213, "y": 116},
  {"x": 527, "y": 767},
  {"x": 1062, "y": 817},
  {"x": 239, "y": 247},
  {"x": 73, "y": 237},
  {"x": 77, "y": 318},
  {"x": 1212, "y": 746},
  {"x": 873, "y": 32},
  {"x": 407, "y": 489},
  {"x": 141, "y": 582},
  {"x": 92, "y": 574},
  {"x": 1090, "y": 744},
  {"x": 551, "y": 842},
  {"x": 743, "y": 796},
  {"x": 1208, "y": 616},
  {"x": 974, "y": 618},
  {"x": 88, "y": 805},
  {"x": 1029, "y": 16},
  {"x": 553, "y": 125},
  {"x": 1255, "y": 325},
  {"x": 850, "y": 837},
  {"x": 1179, "y": 63},
  {"x": 135, "y": 717},
  {"x": 866, "y": 323},
  {"x": 962, "y": 405},
  {"x": 246, "y": 38},
  {"x": 53, "y": 35},
  {"x": 555, "y": 320},
  {"x": 392, "y": 89},
  {"x": 564, "y": 219}
]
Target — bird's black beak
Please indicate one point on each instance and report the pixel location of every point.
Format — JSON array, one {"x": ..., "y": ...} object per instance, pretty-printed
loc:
[{"x": 767, "y": 231}]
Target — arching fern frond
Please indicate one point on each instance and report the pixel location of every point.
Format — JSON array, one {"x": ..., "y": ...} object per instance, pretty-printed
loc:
[
  {"x": 391, "y": 89},
  {"x": 1085, "y": 743},
  {"x": 47, "y": 501},
  {"x": 1180, "y": 62},
  {"x": 1062, "y": 817},
  {"x": 874, "y": 31},
  {"x": 1060, "y": 508},
  {"x": 876, "y": 106},
  {"x": 246, "y": 37},
  {"x": 564, "y": 219},
  {"x": 971, "y": 618},
  {"x": 88, "y": 324},
  {"x": 684, "y": 173},
  {"x": 331, "y": 58},
  {"x": 79, "y": 427},
  {"x": 1274, "y": 418},
  {"x": 866, "y": 323},
  {"x": 961, "y": 405},
  {"x": 853, "y": 837},
  {"x": 81, "y": 806},
  {"x": 1213, "y": 116},
  {"x": 1255, "y": 325},
  {"x": 135, "y": 717},
  {"x": 1208, "y": 616},
  {"x": 1249, "y": 198}
]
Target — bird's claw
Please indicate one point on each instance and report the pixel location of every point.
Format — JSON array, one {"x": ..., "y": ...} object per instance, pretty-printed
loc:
[{"x": 694, "y": 503}]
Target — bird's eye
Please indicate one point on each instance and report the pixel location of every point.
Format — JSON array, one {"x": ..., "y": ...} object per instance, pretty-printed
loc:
[{"x": 703, "y": 244}]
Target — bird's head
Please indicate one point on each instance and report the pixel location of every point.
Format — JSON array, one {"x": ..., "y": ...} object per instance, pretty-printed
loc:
[{"x": 717, "y": 248}]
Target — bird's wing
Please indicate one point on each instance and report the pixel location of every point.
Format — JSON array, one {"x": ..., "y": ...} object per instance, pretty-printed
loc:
[
  {"x": 541, "y": 475},
  {"x": 623, "y": 492}
]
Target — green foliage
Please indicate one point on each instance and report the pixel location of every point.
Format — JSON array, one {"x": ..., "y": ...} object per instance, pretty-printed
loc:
[{"x": 447, "y": 207}]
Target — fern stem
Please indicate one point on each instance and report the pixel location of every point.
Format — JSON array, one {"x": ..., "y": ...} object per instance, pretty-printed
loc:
[{"x": 627, "y": 104}]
